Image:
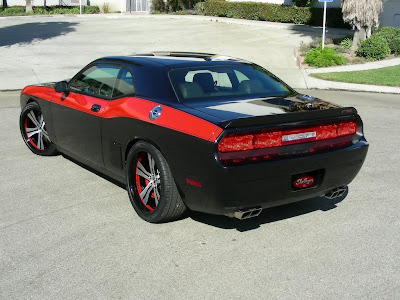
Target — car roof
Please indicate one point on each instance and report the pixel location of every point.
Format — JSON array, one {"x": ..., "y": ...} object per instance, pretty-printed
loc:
[{"x": 172, "y": 60}]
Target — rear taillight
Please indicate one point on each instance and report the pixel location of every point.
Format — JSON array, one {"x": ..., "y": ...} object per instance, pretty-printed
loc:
[{"x": 253, "y": 146}]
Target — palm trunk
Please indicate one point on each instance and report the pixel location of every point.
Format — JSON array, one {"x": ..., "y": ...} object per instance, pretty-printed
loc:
[
  {"x": 359, "y": 35},
  {"x": 369, "y": 32}
]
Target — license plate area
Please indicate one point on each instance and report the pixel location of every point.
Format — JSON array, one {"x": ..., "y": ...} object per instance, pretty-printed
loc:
[{"x": 306, "y": 180}]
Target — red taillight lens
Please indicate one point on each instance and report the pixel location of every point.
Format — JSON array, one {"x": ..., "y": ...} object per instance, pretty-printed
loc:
[
  {"x": 266, "y": 140},
  {"x": 346, "y": 128},
  {"x": 326, "y": 132},
  {"x": 232, "y": 143},
  {"x": 255, "y": 141}
]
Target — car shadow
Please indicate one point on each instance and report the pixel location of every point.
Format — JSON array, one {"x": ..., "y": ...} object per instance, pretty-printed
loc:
[
  {"x": 31, "y": 32},
  {"x": 94, "y": 171},
  {"x": 270, "y": 215}
]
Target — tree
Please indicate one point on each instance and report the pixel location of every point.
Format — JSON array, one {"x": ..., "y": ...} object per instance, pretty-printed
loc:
[
  {"x": 28, "y": 7},
  {"x": 362, "y": 15}
]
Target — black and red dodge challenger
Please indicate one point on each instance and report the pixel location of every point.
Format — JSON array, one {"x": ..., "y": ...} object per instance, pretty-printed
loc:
[{"x": 193, "y": 131}]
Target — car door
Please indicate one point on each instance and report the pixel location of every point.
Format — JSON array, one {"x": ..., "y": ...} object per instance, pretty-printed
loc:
[{"x": 77, "y": 112}]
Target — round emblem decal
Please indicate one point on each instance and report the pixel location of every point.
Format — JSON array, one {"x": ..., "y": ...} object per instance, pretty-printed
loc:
[
  {"x": 304, "y": 182},
  {"x": 155, "y": 112}
]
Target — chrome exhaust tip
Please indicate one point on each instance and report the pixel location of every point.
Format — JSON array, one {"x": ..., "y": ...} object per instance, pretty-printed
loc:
[
  {"x": 336, "y": 192},
  {"x": 247, "y": 213}
]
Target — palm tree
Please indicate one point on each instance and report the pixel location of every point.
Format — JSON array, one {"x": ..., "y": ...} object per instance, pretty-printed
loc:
[{"x": 362, "y": 15}]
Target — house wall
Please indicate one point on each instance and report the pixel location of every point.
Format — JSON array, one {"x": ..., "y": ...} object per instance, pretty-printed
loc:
[
  {"x": 114, "y": 5},
  {"x": 391, "y": 14}
]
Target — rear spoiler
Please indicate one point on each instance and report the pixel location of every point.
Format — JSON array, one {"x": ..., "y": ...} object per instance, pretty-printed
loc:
[{"x": 289, "y": 117}]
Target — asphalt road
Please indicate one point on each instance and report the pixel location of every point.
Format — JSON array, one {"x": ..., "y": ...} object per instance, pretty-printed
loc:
[{"x": 66, "y": 233}]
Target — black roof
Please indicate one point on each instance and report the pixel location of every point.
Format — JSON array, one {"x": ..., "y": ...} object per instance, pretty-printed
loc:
[{"x": 172, "y": 60}]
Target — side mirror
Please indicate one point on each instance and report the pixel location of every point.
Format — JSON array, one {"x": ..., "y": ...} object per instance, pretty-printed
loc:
[{"x": 61, "y": 87}]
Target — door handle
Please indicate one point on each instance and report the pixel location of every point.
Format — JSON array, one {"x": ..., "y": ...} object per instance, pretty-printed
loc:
[{"x": 95, "y": 108}]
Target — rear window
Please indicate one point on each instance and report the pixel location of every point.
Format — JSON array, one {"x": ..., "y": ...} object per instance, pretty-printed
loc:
[{"x": 227, "y": 82}]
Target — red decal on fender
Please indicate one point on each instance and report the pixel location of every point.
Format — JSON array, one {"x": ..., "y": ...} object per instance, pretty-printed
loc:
[{"x": 137, "y": 108}]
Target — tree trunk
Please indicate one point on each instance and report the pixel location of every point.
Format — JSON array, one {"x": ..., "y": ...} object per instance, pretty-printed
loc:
[
  {"x": 369, "y": 32},
  {"x": 28, "y": 7},
  {"x": 359, "y": 35},
  {"x": 5, "y": 4}
]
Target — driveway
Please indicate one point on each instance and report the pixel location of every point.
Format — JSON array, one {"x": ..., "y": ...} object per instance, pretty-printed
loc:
[
  {"x": 67, "y": 233},
  {"x": 41, "y": 49}
]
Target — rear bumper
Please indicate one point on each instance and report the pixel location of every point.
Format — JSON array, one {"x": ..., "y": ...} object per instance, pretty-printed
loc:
[{"x": 268, "y": 184}]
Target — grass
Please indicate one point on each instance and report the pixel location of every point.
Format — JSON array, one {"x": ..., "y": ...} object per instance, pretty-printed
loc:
[{"x": 389, "y": 76}]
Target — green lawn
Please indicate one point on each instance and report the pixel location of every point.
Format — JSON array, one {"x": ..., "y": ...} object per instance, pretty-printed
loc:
[{"x": 385, "y": 76}]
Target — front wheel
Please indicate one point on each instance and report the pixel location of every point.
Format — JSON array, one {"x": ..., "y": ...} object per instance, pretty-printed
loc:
[
  {"x": 33, "y": 130},
  {"x": 150, "y": 185}
]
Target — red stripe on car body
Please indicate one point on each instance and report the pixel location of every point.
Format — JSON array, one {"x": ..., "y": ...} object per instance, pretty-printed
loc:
[
  {"x": 131, "y": 107},
  {"x": 42, "y": 92},
  {"x": 137, "y": 108}
]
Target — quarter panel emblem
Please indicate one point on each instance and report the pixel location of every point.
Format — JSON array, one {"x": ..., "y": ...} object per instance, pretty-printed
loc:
[{"x": 155, "y": 112}]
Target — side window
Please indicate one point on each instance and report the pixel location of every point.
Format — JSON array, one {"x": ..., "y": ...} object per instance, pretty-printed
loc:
[
  {"x": 97, "y": 81},
  {"x": 124, "y": 84}
]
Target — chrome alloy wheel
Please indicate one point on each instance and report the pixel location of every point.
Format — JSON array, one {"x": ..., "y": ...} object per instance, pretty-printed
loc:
[
  {"x": 148, "y": 180},
  {"x": 35, "y": 130}
]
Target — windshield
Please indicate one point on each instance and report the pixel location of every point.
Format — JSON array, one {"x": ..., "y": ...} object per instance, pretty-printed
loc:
[{"x": 227, "y": 82}]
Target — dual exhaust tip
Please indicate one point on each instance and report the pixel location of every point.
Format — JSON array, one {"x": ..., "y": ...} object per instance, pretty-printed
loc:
[
  {"x": 243, "y": 214},
  {"x": 247, "y": 213},
  {"x": 336, "y": 193}
]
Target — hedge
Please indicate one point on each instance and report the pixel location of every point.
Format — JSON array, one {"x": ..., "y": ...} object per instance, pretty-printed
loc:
[
  {"x": 271, "y": 12},
  {"x": 49, "y": 10}
]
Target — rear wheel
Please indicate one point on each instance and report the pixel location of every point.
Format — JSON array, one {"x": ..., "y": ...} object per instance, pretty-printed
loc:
[
  {"x": 33, "y": 130},
  {"x": 151, "y": 187}
]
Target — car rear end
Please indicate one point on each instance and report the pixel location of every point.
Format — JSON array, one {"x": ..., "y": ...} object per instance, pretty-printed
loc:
[
  {"x": 265, "y": 166},
  {"x": 276, "y": 147}
]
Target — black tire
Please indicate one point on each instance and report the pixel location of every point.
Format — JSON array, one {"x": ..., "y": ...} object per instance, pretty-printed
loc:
[
  {"x": 151, "y": 186},
  {"x": 33, "y": 130}
]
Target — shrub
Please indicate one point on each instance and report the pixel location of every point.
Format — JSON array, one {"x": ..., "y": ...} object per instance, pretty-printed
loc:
[
  {"x": 174, "y": 5},
  {"x": 270, "y": 12},
  {"x": 158, "y": 6},
  {"x": 346, "y": 43},
  {"x": 395, "y": 45},
  {"x": 391, "y": 35},
  {"x": 374, "y": 48},
  {"x": 49, "y": 10},
  {"x": 13, "y": 11},
  {"x": 388, "y": 33},
  {"x": 105, "y": 8},
  {"x": 326, "y": 57}
]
